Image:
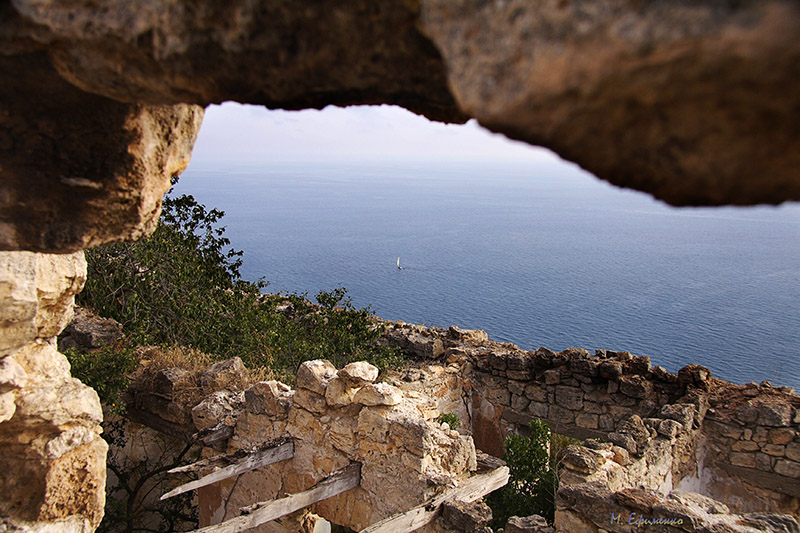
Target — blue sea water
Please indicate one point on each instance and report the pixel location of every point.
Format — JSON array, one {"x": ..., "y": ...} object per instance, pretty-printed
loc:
[{"x": 539, "y": 255}]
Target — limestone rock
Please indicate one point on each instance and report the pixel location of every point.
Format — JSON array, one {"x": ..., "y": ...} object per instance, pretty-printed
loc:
[
  {"x": 339, "y": 392},
  {"x": 168, "y": 381},
  {"x": 694, "y": 375},
  {"x": 88, "y": 331},
  {"x": 682, "y": 413},
  {"x": 268, "y": 397},
  {"x": 378, "y": 394},
  {"x": 12, "y": 375},
  {"x": 113, "y": 164},
  {"x": 669, "y": 428},
  {"x": 41, "y": 362},
  {"x": 582, "y": 459},
  {"x": 220, "y": 406},
  {"x": 58, "y": 404},
  {"x": 51, "y": 442},
  {"x": 635, "y": 386},
  {"x": 587, "y": 79},
  {"x": 359, "y": 373},
  {"x": 503, "y": 63},
  {"x": 38, "y": 292},
  {"x": 700, "y": 502},
  {"x": 771, "y": 522},
  {"x": 310, "y": 401},
  {"x": 624, "y": 441},
  {"x": 416, "y": 343},
  {"x": 315, "y": 375},
  {"x": 779, "y": 415},
  {"x": 634, "y": 426},
  {"x": 569, "y": 397},
  {"x": 8, "y": 406},
  {"x": 466, "y": 517},
  {"x": 230, "y": 372},
  {"x": 470, "y": 335},
  {"x": 527, "y": 524},
  {"x": 610, "y": 369}
]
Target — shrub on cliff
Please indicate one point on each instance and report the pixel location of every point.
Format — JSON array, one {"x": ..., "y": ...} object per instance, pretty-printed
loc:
[
  {"x": 182, "y": 286},
  {"x": 533, "y": 462}
]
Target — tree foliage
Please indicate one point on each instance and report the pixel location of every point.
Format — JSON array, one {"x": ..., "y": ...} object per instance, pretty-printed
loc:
[
  {"x": 533, "y": 462},
  {"x": 182, "y": 286}
]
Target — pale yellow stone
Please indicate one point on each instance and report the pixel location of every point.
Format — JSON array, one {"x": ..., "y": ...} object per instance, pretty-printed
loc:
[{"x": 378, "y": 394}]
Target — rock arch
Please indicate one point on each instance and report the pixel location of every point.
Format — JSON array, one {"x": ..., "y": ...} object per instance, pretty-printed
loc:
[{"x": 100, "y": 105}]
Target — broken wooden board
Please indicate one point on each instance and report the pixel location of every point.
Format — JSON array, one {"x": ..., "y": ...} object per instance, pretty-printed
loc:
[
  {"x": 263, "y": 512},
  {"x": 223, "y": 460},
  {"x": 258, "y": 459},
  {"x": 473, "y": 488},
  {"x": 214, "y": 436}
]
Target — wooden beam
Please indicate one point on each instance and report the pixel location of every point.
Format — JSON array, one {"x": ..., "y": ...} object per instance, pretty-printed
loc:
[
  {"x": 263, "y": 512},
  {"x": 223, "y": 460},
  {"x": 215, "y": 435},
  {"x": 475, "y": 487},
  {"x": 263, "y": 457}
]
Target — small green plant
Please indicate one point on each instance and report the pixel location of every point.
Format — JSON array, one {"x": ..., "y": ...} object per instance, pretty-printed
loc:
[
  {"x": 533, "y": 462},
  {"x": 451, "y": 419}
]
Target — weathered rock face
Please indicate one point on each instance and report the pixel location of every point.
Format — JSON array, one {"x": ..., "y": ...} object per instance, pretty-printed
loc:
[
  {"x": 53, "y": 458},
  {"x": 37, "y": 292},
  {"x": 695, "y": 104},
  {"x": 279, "y": 54},
  {"x": 665, "y": 98},
  {"x": 79, "y": 169}
]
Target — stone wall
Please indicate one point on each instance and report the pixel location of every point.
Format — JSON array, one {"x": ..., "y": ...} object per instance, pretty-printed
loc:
[
  {"x": 333, "y": 418},
  {"x": 752, "y": 448},
  {"x": 661, "y": 446},
  {"x": 662, "y": 431}
]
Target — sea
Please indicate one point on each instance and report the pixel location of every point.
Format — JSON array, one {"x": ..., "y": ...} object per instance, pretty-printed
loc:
[{"x": 537, "y": 254}]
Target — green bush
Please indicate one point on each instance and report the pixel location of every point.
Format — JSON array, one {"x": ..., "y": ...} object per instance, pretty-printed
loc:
[
  {"x": 105, "y": 370},
  {"x": 533, "y": 462},
  {"x": 451, "y": 419},
  {"x": 182, "y": 286}
]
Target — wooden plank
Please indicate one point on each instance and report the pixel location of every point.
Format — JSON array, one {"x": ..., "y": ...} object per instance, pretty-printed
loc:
[
  {"x": 214, "y": 435},
  {"x": 263, "y": 512},
  {"x": 223, "y": 460},
  {"x": 252, "y": 461},
  {"x": 475, "y": 487}
]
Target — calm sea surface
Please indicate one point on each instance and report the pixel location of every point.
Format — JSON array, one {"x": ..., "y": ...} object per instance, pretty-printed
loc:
[{"x": 542, "y": 255}]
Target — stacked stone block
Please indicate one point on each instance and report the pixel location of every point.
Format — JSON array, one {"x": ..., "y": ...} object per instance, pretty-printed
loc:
[{"x": 53, "y": 459}]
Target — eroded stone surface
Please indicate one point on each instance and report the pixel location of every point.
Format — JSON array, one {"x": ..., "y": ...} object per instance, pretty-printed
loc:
[
  {"x": 693, "y": 103},
  {"x": 37, "y": 292},
  {"x": 53, "y": 458},
  {"x": 671, "y": 89},
  {"x": 80, "y": 169}
]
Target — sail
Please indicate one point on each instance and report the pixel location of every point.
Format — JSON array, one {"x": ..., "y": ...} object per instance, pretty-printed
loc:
[{"x": 398, "y": 262}]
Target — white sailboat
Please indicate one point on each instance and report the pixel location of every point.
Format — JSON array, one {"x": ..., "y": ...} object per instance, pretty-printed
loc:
[{"x": 398, "y": 264}]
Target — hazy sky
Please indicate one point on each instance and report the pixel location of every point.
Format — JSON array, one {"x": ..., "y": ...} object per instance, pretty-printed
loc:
[{"x": 242, "y": 133}]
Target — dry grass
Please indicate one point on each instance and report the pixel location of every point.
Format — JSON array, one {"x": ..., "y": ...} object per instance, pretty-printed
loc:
[{"x": 189, "y": 389}]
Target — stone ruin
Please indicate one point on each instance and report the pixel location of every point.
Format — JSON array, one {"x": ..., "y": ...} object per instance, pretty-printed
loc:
[
  {"x": 683, "y": 452},
  {"x": 100, "y": 104}
]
